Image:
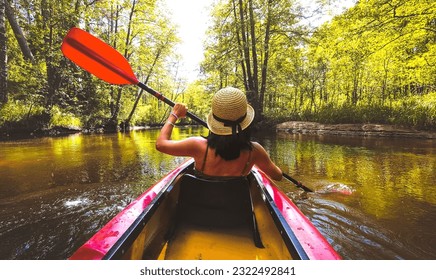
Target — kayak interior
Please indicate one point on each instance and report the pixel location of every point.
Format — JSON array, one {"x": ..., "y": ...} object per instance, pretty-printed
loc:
[
  {"x": 183, "y": 217},
  {"x": 196, "y": 218}
]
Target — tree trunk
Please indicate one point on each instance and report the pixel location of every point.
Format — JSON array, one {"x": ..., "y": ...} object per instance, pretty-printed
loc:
[
  {"x": 113, "y": 30},
  {"x": 246, "y": 50},
  {"x": 240, "y": 45},
  {"x": 255, "y": 83},
  {"x": 138, "y": 97},
  {"x": 249, "y": 60},
  {"x": 3, "y": 58},
  {"x": 19, "y": 35},
  {"x": 114, "y": 118},
  {"x": 254, "y": 90},
  {"x": 265, "y": 57},
  {"x": 52, "y": 78}
]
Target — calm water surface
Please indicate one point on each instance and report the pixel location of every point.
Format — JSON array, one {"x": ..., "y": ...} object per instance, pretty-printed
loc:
[{"x": 375, "y": 198}]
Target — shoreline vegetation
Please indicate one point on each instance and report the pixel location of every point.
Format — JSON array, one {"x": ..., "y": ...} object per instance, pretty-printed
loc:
[{"x": 291, "y": 127}]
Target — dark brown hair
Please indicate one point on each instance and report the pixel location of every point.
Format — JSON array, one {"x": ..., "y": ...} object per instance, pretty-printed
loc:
[{"x": 229, "y": 147}]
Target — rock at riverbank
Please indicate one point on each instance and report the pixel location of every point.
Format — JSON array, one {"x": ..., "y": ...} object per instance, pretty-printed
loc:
[{"x": 381, "y": 130}]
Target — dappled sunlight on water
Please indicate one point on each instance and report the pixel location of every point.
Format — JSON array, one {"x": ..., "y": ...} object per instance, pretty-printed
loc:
[{"x": 373, "y": 199}]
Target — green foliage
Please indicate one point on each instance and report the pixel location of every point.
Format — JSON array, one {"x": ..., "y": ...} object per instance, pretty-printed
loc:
[
  {"x": 417, "y": 111},
  {"x": 64, "y": 119},
  {"x": 198, "y": 99},
  {"x": 20, "y": 116},
  {"x": 138, "y": 29},
  {"x": 373, "y": 63},
  {"x": 18, "y": 111},
  {"x": 414, "y": 111}
]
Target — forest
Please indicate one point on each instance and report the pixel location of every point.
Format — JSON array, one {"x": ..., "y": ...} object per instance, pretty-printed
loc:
[{"x": 373, "y": 63}]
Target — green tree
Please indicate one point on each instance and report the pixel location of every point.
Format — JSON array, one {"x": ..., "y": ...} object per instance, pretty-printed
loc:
[
  {"x": 139, "y": 29},
  {"x": 242, "y": 43},
  {"x": 371, "y": 59}
]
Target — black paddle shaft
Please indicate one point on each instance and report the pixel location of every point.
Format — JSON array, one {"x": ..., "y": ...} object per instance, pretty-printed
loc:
[
  {"x": 298, "y": 184},
  {"x": 161, "y": 97}
]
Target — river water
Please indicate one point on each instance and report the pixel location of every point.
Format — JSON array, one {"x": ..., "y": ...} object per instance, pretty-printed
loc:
[{"x": 374, "y": 198}]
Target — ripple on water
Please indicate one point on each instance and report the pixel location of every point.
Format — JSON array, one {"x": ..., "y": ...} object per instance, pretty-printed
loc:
[{"x": 349, "y": 229}]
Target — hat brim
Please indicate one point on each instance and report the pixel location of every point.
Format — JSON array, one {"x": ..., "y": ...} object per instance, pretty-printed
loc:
[{"x": 218, "y": 127}]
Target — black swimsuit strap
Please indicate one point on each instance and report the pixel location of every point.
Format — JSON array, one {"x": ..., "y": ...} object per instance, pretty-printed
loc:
[
  {"x": 204, "y": 160},
  {"x": 247, "y": 163}
]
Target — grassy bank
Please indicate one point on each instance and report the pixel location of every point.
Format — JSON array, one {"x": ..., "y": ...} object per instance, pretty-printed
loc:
[
  {"x": 418, "y": 112},
  {"x": 415, "y": 112},
  {"x": 20, "y": 118}
]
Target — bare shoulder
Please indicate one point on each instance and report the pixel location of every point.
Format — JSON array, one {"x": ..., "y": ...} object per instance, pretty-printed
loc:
[
  {"x": 197, "y": 144},
  {"x": 259, "y": 152},
  {"x": 264, "y": 162},
  {"x": 198, "y": 140},
  {"x": 258, "y": 147}
]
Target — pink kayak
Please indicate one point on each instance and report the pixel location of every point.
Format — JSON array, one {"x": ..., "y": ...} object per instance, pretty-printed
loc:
[{"x": 184, "y": 217}]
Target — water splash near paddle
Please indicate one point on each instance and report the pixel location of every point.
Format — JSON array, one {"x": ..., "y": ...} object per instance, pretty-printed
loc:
[
  {"x": 336, "y": 188},
  {"x": 323, "y": 189},
  {"x": 323, "y": 186}
]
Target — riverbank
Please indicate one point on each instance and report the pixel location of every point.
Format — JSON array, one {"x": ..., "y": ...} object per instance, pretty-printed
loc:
[
  {"x": 19, "y": 133},
  {"x": 294, "y": 127},
  {"x": 377, "y": 130}
]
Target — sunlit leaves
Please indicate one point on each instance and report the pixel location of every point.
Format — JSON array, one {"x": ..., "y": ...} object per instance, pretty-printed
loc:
[{"x": 140, "y": 30}]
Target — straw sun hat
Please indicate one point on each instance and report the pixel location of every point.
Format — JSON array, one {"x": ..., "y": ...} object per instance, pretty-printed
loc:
[{"x": 231, "y": 112}]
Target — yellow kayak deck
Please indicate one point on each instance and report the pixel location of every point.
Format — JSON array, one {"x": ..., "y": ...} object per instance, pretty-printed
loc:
[{"x": 193, "y": 242}]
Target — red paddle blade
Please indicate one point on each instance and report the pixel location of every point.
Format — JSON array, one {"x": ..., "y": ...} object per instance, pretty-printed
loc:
[{"x": 97, "y": 57}]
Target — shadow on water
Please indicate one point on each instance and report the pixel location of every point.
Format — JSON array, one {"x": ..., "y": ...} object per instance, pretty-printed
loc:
[{"x": 52, "y": 224}]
